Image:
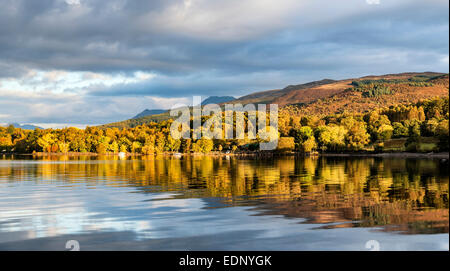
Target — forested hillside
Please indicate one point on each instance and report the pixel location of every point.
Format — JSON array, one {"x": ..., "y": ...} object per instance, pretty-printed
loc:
[{"x": 328, "y": 96}]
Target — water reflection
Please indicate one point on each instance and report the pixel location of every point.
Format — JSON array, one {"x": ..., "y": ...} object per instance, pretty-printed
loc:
[{"x": 153, "y": 196}]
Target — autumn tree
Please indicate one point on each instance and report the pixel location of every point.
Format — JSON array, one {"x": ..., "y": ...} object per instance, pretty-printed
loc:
[
  {"x": 356, "y": 137},
  {"x": 172, "y": 144},
  {"x": 286, "y": 144},
  {"x": 399, "y": 130},
  {"x": 331, "y": 137}
]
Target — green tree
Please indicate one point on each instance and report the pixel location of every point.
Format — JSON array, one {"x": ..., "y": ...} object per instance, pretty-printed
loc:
[
  {"x": 384, "y": 132},
  {"x": 399, "y": 130},
  {"x": 413, "y": 141},
  {"x": 379, "y": 126}
]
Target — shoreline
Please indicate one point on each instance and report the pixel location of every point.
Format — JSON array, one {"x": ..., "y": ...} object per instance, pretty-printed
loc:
[
  {"x": 440, "y": 155},
  {"x": 431, "y": 155}
]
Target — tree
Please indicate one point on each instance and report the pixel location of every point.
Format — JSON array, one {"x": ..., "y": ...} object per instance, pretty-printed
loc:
[
  {"x": 207, "y": 145},
  {"x": 304, "y": 133},
  {"x": 301, "y": 135},
  {"x": 149, "y": 146},
  {"x": 384, "y": 132},
  {"x": 421, "y": 114},
  {"x": 160, "y": 142},
  {"x": 203, "y": 145},
  {"x": 173, "y": 144},
  {"x": 286, "y": 144},
  {"x": 102, "y": 148},
  {"x": 136, "y": 147},
  {"x": 399, "y": 130},
  {"x": 413, "y": 141},
  {"x": 123, "y": 148},
  {"x": 63, "y": 147},
  {"x": 46, "y": 142},
  {"x": 308, "y": 145},
  {"x": 429, "y": 127},
  {"x": 5, "y": 142},
  {"x": 356, "y": 137},
  {"x": 331, "y": 137},
  {"x": 10, "y": 130},
  {"x": 413, "y": 113},
  {"x": 443, "y": 133},
  {"x": 114, "y": 147},
  {"x": 186, "y": 145},
  {"x": 379, "y": 126},
  {"x": 124, "y": 143}
]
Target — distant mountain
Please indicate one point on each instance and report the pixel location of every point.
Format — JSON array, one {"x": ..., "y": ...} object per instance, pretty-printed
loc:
[
  {"x": 149, "y": 112},
  {"x": 209, "y": 100},
  {"x": 326, "y": 97},
  {"x": 24, "y": 126},
  {"x": 217, "y": 100}
]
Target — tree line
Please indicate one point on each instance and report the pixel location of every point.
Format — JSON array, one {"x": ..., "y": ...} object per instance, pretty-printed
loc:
[{"x": 298, "y": 132}]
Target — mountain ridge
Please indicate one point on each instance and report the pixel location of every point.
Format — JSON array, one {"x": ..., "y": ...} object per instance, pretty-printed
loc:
[
  {"x": 328, "y": 96},
  {"x": 23, "y": 126},
  {"x": 217, "y": 100},
  {"x": 149, "y": 112}
]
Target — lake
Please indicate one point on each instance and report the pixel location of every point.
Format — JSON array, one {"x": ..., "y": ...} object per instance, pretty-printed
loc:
[{"x": 223, "y": 203}]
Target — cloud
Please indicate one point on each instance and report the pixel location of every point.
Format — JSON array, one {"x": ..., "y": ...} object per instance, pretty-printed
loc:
[
  {"x": 102, "y": 52},
  {"x": 45, "y": 107},
  {"x": 186, "y": 36}
]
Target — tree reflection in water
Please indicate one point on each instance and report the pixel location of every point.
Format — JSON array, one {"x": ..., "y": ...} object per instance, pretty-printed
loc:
[{"x": 404, "y": 195}]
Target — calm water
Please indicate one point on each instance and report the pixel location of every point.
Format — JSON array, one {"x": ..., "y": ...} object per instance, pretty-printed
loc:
[{"x": 206, "y": 203}]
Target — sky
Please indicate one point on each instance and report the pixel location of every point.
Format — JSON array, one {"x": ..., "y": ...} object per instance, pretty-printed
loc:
[{"x": 88, "y": 62}]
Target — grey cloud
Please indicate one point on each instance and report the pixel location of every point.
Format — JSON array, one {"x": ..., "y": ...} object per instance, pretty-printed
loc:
[
  {"x": 75, "y": 109},
  {"x": 203, "y": 84},
  {"x": 236, "y": 51},
  {"x": 48, "y": 35}
]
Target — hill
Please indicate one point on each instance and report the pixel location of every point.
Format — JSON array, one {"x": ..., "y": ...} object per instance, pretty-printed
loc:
[
  {"x": 24, "y": 126},
  {"x": 329, "y": 96},
  {"x": 138, "y": 121},
  {"x": 149, "y": 112},
  {"x": 217, "y": 100},
  {"x": 371, "y": 92},
  {"x": 271, "y": 96}
]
